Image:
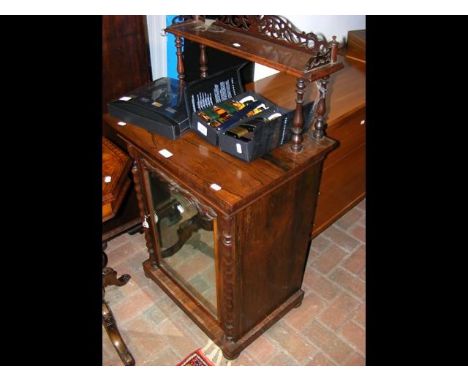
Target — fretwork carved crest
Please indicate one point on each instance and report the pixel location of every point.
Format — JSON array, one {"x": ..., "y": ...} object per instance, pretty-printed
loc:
[
  {"x": 280, "y": 30},
  {"x": 277, "y": 28}
]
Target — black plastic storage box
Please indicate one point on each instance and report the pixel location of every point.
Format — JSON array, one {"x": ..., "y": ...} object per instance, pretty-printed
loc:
[
  {"x": 267, "y": 134},
  {"x": 159, "y": 107},
  {"x": 211, "y": 134},
  {"x": 206, "y": 93}
]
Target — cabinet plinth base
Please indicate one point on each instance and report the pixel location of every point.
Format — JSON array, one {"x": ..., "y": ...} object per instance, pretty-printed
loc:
[
  {"x": 232, "y": 350},
  {"x": 210, "y": 326}
]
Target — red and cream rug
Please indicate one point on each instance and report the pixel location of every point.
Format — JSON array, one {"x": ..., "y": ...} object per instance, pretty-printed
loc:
[{"x": 196, "y": 358}]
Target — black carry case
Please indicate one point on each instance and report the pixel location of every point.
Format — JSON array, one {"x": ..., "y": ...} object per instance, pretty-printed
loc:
[
  {"x": 212, "y": 134},
  {"x": 267, "y": 135},
  {"x": 205, "y": 93},
  {"x": 159, "y": 107},
  {"x": 163, "y": 108}
]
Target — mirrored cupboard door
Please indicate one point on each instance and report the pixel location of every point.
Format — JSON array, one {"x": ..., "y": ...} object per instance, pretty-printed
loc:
[{"x": 185, "y": 231}]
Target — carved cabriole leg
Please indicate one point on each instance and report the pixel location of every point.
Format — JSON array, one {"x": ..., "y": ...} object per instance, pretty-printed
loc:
[
  {"x": 298, "y": 121},
  {"x": 112, "y": 330},
  {"x": 141, "y": 206},
  {"x": 228, "y": 263},
  {"x": 180, "y": 61},
  {"x": 203, "y": 62},
  {"x": 109, "y": 276},
  {"x": 321, "y": 108}
]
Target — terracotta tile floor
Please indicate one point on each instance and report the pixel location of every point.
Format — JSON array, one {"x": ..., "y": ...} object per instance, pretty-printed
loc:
[{"x": 328, "y": 328}]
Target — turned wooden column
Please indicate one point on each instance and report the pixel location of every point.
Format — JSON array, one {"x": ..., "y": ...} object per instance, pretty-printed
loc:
[
  {"x": 203, "y": 62},
  {"x": 228, "y": 270},
  {"x": 334, "y": 50},
  {"x": 144, "y": 215},
  {"x": 180, "y": 61},
  {"x": 321, "y": 108},
  {"x": 298, "y": 121}
]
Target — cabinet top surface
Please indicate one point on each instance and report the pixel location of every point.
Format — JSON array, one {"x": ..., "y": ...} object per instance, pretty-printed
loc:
[
  {"x": 198, "y": 165},
  {"x": 250, "y": 47}
]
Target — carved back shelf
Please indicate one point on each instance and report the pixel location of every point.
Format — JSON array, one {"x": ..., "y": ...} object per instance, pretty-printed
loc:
[
  {"x": 282, "y": 31},
  {"x": 277, "y": 30},
  {"x": 272, "y": 41}
]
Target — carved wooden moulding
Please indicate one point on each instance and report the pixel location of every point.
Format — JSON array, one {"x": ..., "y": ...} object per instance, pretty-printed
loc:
[
  {"x": 276, "y": 28},
  {"x": 282, "y": 31},
  {"x": 317, "y": 57}
]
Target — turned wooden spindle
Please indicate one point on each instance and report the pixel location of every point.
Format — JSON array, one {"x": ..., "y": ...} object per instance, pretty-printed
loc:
[
  {"x": 321, "y": 108},
  {"x": 229, "y": 284},
  {"x": 334, "y": 50},
  {"x": 180, "y": 61},
  {"x": 298, "y": 120},
  {"x": 143, "y": 215},
  {"x": 203, "y": 62}
]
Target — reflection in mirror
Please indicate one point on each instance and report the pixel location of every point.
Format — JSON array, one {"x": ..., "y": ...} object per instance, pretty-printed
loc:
[{"x": 186, "y": 241}]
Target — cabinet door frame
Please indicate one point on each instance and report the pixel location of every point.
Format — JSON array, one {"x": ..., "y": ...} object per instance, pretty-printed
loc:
[
  {"x": 146, "y": 167},
  {"x": 223, "y": 329}
]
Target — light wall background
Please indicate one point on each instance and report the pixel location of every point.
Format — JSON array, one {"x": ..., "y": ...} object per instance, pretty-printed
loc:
[{"x": 162, "y": 49}]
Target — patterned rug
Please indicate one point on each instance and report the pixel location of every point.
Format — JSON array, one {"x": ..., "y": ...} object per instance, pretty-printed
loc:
[{"x": 196, "y": 358}]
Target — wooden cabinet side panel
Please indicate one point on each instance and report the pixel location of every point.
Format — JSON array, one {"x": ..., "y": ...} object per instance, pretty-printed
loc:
[{"x": 272, "y": 238}]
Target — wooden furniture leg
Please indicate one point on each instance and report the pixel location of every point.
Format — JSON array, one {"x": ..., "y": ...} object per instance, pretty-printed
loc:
[
  {"x": 112, "y": 330},
  {"x": 141, "y": 204},
  {"x": 117, "y": 163},
  {"x": 109, "y": 277}
]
